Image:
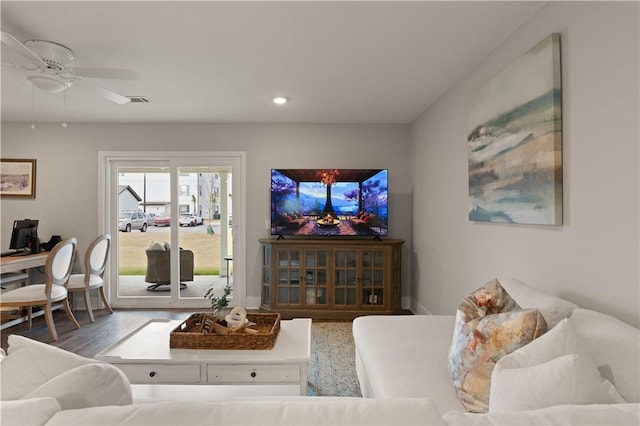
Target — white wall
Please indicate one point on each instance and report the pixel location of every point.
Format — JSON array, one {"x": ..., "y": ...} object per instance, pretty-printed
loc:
[
  {"x": 594, "y": 258},
  {"x": 67, "y": 176}
]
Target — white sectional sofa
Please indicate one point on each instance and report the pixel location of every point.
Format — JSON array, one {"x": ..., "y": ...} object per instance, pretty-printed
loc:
[
  {"x": 402, "y": 368},
  {"x": 406, "y": 356}
]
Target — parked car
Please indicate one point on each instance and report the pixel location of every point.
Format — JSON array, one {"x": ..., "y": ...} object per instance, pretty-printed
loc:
[
  {"x": 162, "y": 219},
  {"x": 150, "y": 218},
  {"x": 132, "y": 220},
  {"x": 190, "y": 219}
]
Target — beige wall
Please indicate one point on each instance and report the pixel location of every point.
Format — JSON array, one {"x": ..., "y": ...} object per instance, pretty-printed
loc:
[
  {"x": 594, "y": 258},
  {"x": 67, "y": 169}
]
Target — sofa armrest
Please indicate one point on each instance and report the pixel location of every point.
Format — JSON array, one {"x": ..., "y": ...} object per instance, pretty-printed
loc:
[{"x": 29, "y": 412}]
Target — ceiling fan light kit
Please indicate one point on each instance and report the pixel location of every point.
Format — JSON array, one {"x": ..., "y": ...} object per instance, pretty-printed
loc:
[{"x": 48, "y": 83}]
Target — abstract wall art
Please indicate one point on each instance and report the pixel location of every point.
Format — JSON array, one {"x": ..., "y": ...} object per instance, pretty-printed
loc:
[{"x": 515, "y": 141}]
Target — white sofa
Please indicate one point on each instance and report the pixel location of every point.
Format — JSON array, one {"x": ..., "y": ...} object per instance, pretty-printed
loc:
[
  {"x": 402, "y": 368},
  {"x": 406, "y": 356},
  {"x": 44, "y": 385}
]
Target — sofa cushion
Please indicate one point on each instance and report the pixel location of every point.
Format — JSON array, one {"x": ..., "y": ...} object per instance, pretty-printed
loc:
[
  {"x": 36, "y": 411},
  {"x": 405, "y": 356},
  {"x": 489, "y": 325},
  {"x": 262, "y": 411},
  {"x": 614, "y": 347},
  {"x": 584, "y": 415},
  {"x": 89, "y": 385},
  {"x": 553, "y": 309},
  {"x": 30, "y": 365}
]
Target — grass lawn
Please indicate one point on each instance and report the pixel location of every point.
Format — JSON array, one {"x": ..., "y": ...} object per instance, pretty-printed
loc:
[{"x": 206, "y": 249}]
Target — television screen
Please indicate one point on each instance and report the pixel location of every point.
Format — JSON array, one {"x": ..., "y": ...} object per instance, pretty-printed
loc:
[{"x": 328, "y": 202}]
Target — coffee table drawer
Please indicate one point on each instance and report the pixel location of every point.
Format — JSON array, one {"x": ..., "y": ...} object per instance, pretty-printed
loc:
[
  {"x": 161, "y": 373},
  {"x": 252, "y": 373}
]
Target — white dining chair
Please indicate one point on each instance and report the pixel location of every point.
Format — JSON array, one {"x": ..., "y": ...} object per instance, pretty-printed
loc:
[
  {"x": 57, "y": 271},
  {"x": 95, "y": 262}
]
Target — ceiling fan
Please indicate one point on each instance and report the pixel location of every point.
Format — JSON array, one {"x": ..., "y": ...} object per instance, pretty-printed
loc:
[{"x": 50, "y": 69}]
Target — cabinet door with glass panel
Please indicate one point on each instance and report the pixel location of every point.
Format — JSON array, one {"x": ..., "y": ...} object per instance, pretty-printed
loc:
[
  {"x": 360, "y": 278},
  {"x": 372, "y": 277},
  {"x": 315, "y": 277},
  {"x": 302, "y": 276}
]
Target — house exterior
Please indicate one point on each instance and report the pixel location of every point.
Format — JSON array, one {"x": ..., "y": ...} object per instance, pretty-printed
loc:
[
  {"x": 128, "y": 198},
  {"x": 592, "y": 259},
  {"x": 199, "y": 190}
]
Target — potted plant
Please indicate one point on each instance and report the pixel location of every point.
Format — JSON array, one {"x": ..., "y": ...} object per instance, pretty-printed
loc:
[{"x": 219, "y": 304}]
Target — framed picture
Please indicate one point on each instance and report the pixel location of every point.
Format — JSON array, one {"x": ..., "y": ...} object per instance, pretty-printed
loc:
[
  {"x": 17, "y": 178},
  {"x": 515, "y": 141}
]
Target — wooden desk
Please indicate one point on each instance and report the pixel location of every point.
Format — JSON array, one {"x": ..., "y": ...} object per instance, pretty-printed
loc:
[{"x": 18, "y": 263}]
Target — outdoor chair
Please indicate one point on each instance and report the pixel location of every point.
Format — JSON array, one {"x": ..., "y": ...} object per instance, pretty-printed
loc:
[{"x": 159, "y": 271}]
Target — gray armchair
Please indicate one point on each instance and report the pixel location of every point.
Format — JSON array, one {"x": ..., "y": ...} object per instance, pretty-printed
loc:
[{"x": 159, "y": 271}]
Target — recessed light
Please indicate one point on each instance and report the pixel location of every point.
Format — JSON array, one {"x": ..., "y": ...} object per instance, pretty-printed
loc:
[{"x": 280, "y": 100}]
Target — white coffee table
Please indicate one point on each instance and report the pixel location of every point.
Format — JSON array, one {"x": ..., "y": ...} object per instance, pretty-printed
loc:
[{"x": 155, "y": 370}]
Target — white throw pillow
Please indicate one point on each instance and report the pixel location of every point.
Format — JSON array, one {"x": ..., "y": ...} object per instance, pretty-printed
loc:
[
  {"x": 30, "y": 363},
  {"x": 542, "y": 373},
  {"x": 569, "y": 379},
  {"x": 560, "y": 340},
  {"x": 90, "y": 385},
  {"x": 553, "y": 309}
]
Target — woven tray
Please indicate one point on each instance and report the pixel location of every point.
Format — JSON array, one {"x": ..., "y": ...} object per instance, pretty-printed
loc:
[{"x": 189, "y": 334}]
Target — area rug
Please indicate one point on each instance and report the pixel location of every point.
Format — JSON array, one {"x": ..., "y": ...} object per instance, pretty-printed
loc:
[{"x": 332, "y": 370}]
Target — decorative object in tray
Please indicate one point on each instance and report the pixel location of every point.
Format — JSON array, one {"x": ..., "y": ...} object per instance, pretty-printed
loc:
[{"x": 239, "y": 330}]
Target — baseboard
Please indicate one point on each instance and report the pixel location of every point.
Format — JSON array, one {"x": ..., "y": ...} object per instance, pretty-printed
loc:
[{"x": 253, "y": 302}]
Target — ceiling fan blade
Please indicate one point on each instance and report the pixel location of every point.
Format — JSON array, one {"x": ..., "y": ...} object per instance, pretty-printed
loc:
[
  {"x": 20, "y": 48},
  {"x": 107, "y": 94},
  {"x": 108, "y": 73}
]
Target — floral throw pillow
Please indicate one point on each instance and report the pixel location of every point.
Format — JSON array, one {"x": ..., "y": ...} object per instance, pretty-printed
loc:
[{"x": 489, "y": 325}]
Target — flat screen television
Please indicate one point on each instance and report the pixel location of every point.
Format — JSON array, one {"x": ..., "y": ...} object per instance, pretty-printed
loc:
[
  {"x": 23, "y": 230},
  {"x": 329, "y": 202}
]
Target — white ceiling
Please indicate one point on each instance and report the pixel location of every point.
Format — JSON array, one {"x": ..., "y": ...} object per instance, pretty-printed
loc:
[{"x": 222, "y": 62}]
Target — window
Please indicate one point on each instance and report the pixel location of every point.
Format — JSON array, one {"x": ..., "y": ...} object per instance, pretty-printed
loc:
[{"x": 184, "y": 190}]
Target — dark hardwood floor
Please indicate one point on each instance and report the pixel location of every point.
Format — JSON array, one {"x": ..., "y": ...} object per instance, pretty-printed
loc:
[{"x": 91, "y": 338}]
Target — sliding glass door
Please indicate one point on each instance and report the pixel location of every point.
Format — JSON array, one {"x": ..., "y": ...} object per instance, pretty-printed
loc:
[{"x": 174, "y": 225}]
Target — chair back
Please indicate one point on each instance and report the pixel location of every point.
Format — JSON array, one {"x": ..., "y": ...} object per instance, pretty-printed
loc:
[
  {"x": 59, "y": 264},
  {"x": 95, "y": 261}
]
